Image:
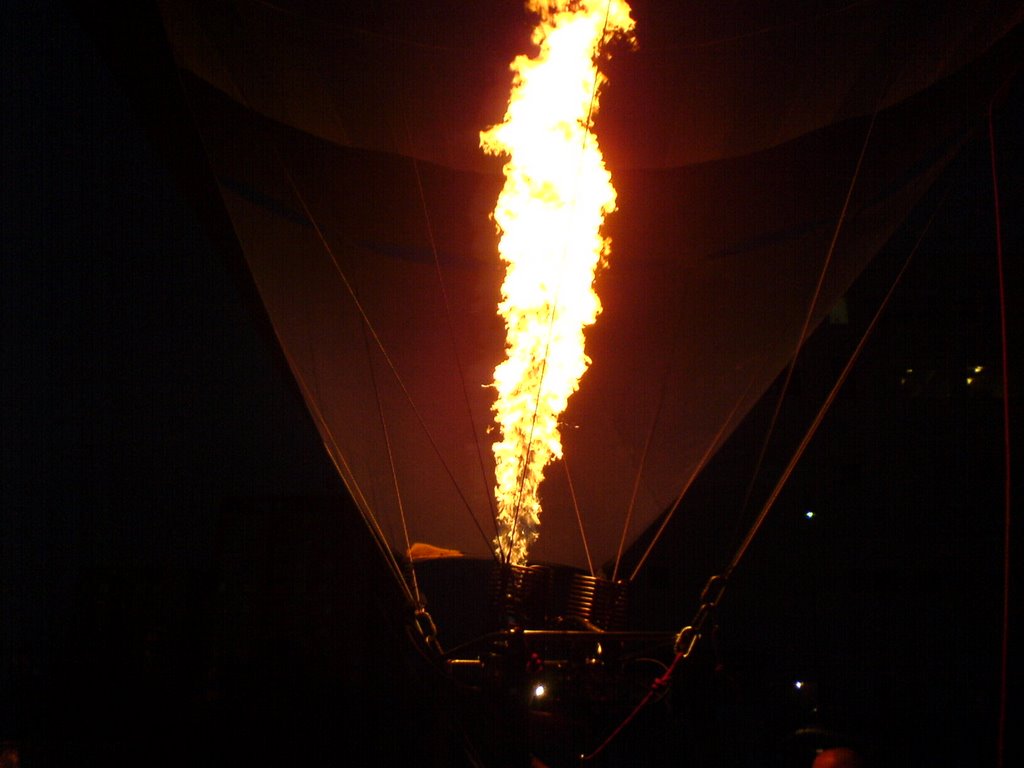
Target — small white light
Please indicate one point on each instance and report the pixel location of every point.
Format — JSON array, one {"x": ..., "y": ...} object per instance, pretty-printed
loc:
[
  {"x": 539, "y": 691},
  {"x": 798, "y": 684},
  {"x": 809, "y": 514}
]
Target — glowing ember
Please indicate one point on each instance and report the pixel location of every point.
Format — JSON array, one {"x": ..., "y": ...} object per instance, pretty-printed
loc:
[{"x": 557, "y": 192}]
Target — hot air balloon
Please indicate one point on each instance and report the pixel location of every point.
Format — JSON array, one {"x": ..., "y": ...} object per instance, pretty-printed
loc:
[{"x": 762, "y": 156}]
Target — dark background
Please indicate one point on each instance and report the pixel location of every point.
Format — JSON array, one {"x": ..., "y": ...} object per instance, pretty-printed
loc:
[{"x": 184, "y": 579}]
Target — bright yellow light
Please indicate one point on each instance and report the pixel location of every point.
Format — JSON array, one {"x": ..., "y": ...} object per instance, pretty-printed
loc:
[
  {"x": 970, "y": 380},
  {"x": 539, "y": 691},
  {"x": 978, "y": 369},
  {"x": 549, "y": 214}
]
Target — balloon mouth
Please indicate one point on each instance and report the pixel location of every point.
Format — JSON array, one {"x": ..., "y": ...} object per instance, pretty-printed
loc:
[{"x": 557, "y": 597}]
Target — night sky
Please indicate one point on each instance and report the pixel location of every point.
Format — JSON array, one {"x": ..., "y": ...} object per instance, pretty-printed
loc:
[{"x": 185, "y": 580}]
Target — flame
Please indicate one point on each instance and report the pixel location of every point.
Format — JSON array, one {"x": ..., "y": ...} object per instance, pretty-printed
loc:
[{"x": 549, "y": 214}]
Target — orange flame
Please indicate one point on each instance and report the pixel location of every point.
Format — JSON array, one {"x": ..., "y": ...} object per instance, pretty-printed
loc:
[{"x": 549, "y": 213}]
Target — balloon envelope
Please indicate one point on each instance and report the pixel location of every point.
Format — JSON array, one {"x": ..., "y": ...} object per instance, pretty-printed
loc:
[{"x": 748, "y": 146}]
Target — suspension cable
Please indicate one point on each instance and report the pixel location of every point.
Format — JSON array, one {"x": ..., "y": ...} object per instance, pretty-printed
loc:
[
  {"x": 1007, "y": 507},
  {"x": 579, "y": 516},
  {"x": 714, "y": 590},
  {"x": 343, "y": 469},
  {"x": 451, "y": 334},
  {"x": 812, "y": 430},
  {"x": 643, "y": 458},
  {"x": 380, "y": 346},
  {"x": 366, "y": 509},
  {"x": 809, "y": 315},
  {"x": 554, "y": 308},
  {"x": 394, "y": 471},
  {"x": 331, "y": 444},
  {"x": 708, "y": 453}
]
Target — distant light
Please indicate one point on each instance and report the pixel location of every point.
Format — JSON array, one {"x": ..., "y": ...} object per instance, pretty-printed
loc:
[
  {"x": 539, "y": 691},
  {"x": 809, "y": 514},
  {"x": 798, "y": 684},
  {"x": 978, "y": 368},
  {"x": 970, "y": 380},
  {"x": 910, "y": 370}
]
